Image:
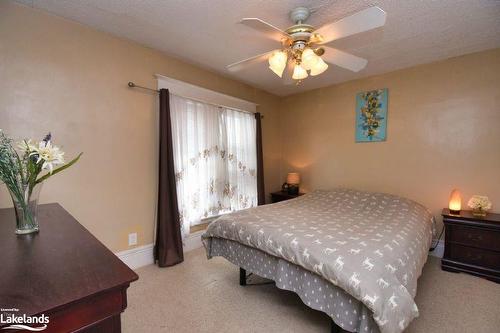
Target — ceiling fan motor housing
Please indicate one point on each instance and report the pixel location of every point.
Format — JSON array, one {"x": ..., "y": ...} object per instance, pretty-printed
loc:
[{"x": 301, "y": 32}]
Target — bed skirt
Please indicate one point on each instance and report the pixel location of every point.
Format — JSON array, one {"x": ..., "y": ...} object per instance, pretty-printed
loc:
[{"x": 317, "y": 293}]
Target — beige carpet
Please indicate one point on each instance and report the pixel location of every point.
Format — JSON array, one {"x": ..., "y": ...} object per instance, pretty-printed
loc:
[{"x": 203, "y": 295}]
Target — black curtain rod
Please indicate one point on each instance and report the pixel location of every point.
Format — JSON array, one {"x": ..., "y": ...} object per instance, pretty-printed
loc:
[{"x": 133, "y": 85}]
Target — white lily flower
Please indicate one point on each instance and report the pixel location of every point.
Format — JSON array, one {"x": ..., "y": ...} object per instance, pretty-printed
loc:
[{"x": 49, "y": 154}]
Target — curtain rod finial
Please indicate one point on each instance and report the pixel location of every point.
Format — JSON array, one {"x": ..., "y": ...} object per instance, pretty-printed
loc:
[{"x": 131, "y": 84}]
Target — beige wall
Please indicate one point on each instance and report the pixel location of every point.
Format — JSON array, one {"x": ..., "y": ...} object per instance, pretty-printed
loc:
[
  {"x": 59, "y": 76},
  {"x": 443, "y": 132},
  {"x": 443, "y": 124}
]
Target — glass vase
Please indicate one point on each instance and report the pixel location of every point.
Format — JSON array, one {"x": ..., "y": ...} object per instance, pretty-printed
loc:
[
  {"x": 25, "y": 200},
  {"x": 479, "y": 212}
]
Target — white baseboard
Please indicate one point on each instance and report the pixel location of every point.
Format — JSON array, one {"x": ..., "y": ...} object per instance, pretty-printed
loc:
[
  {"x": 439, "y": 250},
  {"x": 143, "y": 255},
  {"x": 138, "y": 256},
  {"x": 193, "y": 241}
]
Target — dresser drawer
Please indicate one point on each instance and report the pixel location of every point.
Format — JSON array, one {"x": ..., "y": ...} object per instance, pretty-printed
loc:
[
  {"x": 474, "y": 256},
  {"x": 477, "y": 237}
]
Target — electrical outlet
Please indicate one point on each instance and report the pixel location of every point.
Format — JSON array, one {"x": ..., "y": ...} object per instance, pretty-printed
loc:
[{"x": 132, "y": 239}]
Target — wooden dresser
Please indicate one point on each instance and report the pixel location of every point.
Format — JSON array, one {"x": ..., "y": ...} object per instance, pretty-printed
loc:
[
  {"x": 472, "y": 244},
  {"x": 62, "y": 272}
]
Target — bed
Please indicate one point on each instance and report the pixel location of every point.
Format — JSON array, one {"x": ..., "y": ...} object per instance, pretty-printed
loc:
[{"x": 353, "y": 255}]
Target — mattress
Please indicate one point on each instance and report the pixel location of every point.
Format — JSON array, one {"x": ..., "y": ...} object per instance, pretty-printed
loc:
[{"x": 371, "y": 245}]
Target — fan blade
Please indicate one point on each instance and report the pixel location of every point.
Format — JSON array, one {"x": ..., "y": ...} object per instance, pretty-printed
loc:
[
  {"x": 270, "y": 30},
  {"x": 364, "y": 20},
  {"x": 237, "y": 66},
  {"x": 343, "y": 59}
]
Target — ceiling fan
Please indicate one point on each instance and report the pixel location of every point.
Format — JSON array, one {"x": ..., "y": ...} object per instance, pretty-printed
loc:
[{"x": 303, "y": 46}]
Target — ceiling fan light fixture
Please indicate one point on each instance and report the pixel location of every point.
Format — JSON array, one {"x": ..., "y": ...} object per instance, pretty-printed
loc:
[
  {"x": 319, "y": 67},
  {"x": 299, "y": 73},
  {"x": 309, "y": 59},
  {"x": 277, "y": 62},
  {"x": 302, "y": 45}
]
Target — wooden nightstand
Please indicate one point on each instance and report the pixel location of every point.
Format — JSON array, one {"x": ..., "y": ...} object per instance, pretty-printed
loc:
[
  {"x": 472, "y": 244},
  {"x": 282, "y": 196}
]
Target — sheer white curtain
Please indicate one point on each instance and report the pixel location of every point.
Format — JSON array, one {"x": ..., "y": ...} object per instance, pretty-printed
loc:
[
  {"x": 241, "y": 157},
  {"x": 215, "y": 160}
]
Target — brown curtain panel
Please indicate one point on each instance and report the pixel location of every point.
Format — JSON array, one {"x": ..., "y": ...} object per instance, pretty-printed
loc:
[
  {"x": 261, "y": 193},
  {"x": 168, "y": 247}
]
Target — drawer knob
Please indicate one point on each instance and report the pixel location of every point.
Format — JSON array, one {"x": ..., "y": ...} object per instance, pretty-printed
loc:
[{"x": 475, "y": 238}]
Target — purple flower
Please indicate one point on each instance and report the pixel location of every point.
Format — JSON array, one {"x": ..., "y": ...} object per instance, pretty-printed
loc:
[{"x": 47, "y": 138}]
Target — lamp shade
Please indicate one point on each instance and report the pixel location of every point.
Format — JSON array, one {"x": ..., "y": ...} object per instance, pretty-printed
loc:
[
  {"x": 299, "y": 72},
  {"x": 319, "y": 67},
  {"x": 277, "y": 62},
  {"x": 309, "y": 59},
  {"x": 293, "y": 178},
  {"x": 455, "y": 204}
]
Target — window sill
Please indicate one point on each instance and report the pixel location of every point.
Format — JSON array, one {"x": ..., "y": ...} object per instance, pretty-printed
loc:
[
  {"x": 198, "y": 227},
  {"x": 203, "y": 225}
]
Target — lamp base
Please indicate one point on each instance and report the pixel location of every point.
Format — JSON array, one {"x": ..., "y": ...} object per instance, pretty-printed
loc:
[
  {"x": 293, "y": 189},
  {"x": 454, "y": 212}
]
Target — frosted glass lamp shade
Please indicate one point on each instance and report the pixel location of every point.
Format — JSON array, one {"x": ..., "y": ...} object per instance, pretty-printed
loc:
[
  {"x": 319, "y": 67},
  {"x": 309, "y": 59},
  {"x": 299, "y": 72},
  {"x": 293, "y": 178},
  {"x": 277, "y": 62},
  {"x": 455, "y": 204}
]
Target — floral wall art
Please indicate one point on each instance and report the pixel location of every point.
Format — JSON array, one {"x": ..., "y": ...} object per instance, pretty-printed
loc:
[{"x": 371, "y": 115}]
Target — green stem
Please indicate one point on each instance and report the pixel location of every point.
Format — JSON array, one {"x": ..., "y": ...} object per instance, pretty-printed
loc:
[
  {"x": 19, "y": 199},
  {"x": 20, "y": 166},
  {"x": 61, "y": 168}
]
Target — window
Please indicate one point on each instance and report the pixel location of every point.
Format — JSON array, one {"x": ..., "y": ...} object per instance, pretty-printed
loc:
[{"x": 215, "y": 159}]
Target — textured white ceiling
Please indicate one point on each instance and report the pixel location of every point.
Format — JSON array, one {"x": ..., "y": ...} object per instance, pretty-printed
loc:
[{"x": 206, "y": 32}]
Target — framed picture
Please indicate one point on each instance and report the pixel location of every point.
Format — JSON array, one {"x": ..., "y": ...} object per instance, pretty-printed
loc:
[{"x": 371, "y": 115}]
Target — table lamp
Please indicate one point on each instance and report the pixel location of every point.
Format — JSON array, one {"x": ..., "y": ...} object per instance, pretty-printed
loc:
[
  {"x": 293, "y": 181},
  {"x": 455, "y": 203}
]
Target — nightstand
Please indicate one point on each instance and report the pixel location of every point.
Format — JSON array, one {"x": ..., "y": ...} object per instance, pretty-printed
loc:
[
  {"x": 472, "y": 244},
  {"x": 282, "y": 196}
]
